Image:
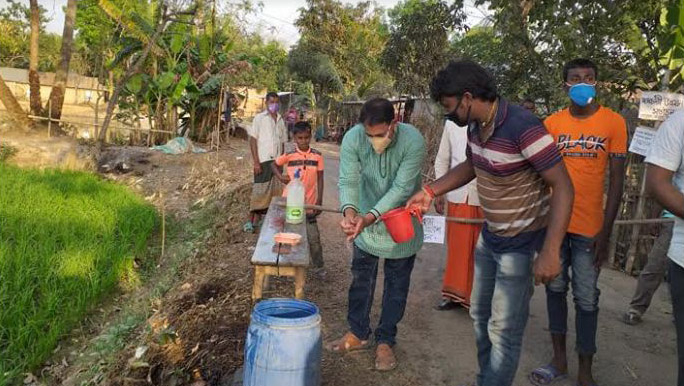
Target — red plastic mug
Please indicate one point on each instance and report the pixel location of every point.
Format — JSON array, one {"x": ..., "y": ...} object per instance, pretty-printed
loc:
[{"x": 399, "y": 224}]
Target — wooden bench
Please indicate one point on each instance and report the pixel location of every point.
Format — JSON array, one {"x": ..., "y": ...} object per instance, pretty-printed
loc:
[{"x": 271, "y": 260}]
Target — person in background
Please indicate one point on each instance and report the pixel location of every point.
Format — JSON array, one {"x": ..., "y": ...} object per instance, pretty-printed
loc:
[
  {"x": 665, "y": 183},
  {"x": 464, "y": 203},
  {"x": 310, "y": 164},
  {"x": 651, "y": 275},
  {"x": 529, "y": 105},
  {"x": 592, "y": 139},
  {"x": 380, "y": 163},
  {"x": 290, "y": 119},
  {"x": 267, "y": 137},
  {"x": 526, "y": 197}
]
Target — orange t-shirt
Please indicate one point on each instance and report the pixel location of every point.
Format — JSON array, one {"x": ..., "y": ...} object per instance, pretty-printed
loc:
[
  {"x": 585, "y": 145},
  {"x": 310, "y": 163}
]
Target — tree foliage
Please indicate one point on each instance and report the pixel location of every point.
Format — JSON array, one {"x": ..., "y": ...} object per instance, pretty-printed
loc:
[
  {"x": 15, "y": 30},
  {"x": 343, "y": 44},
  {"x": 419, "y": 40},
  {"x": 537, "y": 38},
  {"x": 195, "y": 57}
]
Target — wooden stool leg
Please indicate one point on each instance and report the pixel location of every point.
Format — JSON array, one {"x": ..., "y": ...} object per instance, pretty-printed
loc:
[
  {"x": 300, "y": 279},
  {"x": 267, "y": 284},
  {"x": 257, "y": 289}
]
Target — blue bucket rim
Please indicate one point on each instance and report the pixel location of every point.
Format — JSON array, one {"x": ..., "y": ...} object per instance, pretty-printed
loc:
[{"x": 259, "y": 315}]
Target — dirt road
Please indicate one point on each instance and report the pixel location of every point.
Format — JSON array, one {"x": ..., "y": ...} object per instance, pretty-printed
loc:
[{"x": 438, "y": 348}]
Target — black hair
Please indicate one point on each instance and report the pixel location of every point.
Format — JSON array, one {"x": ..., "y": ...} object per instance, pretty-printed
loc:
[
  {"x": 301, "y": 126},
  {"x": 271, "y": 94},
  {"x": 579, "y": 63},
  {"x": 376, "y": 111},
  {"x": 461, "y": 76}
]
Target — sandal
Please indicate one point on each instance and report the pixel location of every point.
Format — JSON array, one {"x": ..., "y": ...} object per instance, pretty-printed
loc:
[
  {"x": 384, "y": 358},
  {"x": 348, "y": 343},
  {"x": 631, "y": 317},
  {"x": 546, "y": 375}
]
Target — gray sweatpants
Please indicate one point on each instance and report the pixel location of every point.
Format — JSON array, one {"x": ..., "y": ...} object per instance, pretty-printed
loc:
[{"x": 654, "y": 271}]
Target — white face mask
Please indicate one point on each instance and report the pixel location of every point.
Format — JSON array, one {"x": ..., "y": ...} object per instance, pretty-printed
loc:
[{"x": 380, "y": 144}]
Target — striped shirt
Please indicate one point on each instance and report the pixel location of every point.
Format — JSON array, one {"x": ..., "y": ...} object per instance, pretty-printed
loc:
[
  {"x": 309, "y": 163},
  {"x": 507, "y": 161}
]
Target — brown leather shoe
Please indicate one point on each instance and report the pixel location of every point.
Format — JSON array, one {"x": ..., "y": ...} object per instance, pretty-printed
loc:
[{"x": 384, "y": 358}]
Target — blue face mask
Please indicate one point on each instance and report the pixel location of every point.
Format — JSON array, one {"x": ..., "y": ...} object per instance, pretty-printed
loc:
[{"x": 582, "y": 93}]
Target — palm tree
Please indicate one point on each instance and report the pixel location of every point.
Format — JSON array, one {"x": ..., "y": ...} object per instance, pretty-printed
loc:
[
  {"x": 13, "y": 107},
  {"x": 34, "y": 79},
  {"x": 59, "y": 86}
]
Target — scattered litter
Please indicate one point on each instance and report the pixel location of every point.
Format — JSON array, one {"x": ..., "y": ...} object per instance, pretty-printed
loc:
[
  {"x": 30, "y": 379},
  {"x": 630, "y": 371},
  {"x": 179, "y": 145},
  {"x": 140, "y": 351}
]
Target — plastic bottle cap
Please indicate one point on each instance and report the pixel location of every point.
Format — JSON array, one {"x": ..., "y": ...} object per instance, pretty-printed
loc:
[{"x": 297, "y": 173}]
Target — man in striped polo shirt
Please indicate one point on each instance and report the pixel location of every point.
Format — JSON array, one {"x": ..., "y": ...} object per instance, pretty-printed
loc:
[{"x": 526, "y": 196}]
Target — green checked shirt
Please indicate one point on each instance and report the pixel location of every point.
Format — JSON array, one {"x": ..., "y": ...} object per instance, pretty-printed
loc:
[{"x": 372, "y": 183}]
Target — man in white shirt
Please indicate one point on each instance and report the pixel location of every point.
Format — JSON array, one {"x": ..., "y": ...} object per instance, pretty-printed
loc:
[
  {"x": 665, "y": 182},
  {"x": 267, "y": 136},
  {"x": 464, "y": 203}
]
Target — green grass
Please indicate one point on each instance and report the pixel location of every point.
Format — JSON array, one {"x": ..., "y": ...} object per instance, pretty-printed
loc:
[{"x": 66, "y": 240}]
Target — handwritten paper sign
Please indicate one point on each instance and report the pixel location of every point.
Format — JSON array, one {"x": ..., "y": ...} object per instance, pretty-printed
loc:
[
  {"x": 641, "y": 142},
  {"x": 657, "y": 106},
  {"x": 433, "y": 229}
]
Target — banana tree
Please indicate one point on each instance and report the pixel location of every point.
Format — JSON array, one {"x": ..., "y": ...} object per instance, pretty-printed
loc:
[{"x": 146, "y": 36}]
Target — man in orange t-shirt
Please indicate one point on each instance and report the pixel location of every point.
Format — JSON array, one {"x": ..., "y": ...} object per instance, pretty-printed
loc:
[
  {"x": 310, "y": 164},
  {"x": 591, "y": 138}
]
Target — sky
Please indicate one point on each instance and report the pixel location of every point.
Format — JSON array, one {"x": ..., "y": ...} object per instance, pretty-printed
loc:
[{"x": 274, "y": 21}]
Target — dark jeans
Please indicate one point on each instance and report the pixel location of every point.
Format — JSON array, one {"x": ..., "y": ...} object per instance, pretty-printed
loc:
[
  {"x": 397, "y": 280},
  {"x": 577, "y": 266},
  {"x": 677, "y": 290},
  {"x": 654, "y": 271}
]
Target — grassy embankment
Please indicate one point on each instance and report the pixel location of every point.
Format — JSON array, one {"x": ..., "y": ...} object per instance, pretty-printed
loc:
[{"x": 67, "y": 239}]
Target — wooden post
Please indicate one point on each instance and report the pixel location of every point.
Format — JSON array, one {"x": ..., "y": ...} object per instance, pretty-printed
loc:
[
  {"x": 217, "y": 129},
  {"x": 49, "y": 116},
  {"x": 97, "y": 110},
  {"x": 639, "y": 213}
]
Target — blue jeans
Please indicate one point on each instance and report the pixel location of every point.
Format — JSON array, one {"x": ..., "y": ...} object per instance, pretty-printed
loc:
[
  {"x": 499, "y": 307},
  {"x": 577, "y": 266},
  {"x": 397, "y": 281}
]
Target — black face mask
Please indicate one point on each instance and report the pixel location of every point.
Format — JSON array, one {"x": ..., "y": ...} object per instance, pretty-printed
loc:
[{"x": 453, "y": 116}]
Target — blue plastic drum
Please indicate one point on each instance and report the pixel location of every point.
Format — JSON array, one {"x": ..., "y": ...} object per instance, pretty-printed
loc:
[{"x": 283, "y": 344}]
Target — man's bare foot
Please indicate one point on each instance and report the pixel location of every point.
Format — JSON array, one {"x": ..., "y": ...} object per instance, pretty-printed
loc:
[{"x": 348, "y": 343}]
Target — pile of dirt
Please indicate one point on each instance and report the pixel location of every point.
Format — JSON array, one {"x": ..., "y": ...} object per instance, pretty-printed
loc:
[
  {"x": 178, "y": 182},
  {"x": 36, "y": 150}
]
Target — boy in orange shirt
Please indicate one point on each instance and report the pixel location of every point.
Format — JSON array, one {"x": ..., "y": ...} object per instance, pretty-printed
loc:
[
  {"x": 589, "y": 138},
  {"x": 310, "y": 162}
]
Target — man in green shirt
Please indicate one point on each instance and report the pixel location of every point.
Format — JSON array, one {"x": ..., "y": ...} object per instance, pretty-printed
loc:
[{"x": 380, "y": 165}]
